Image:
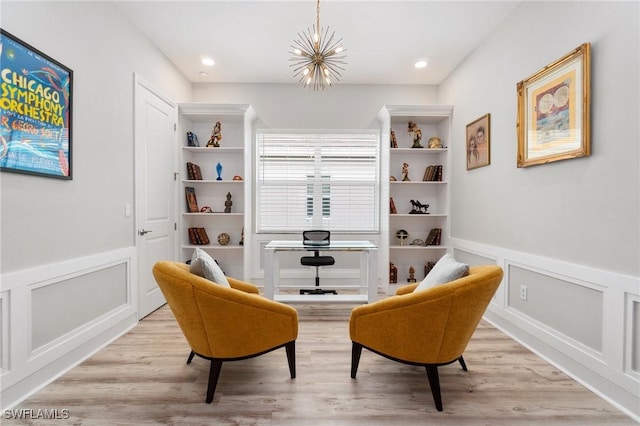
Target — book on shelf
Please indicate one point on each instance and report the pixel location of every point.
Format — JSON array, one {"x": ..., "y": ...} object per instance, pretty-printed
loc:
[
  {"x": 433, "y": 173},
  {"x": 433, "y": 239},
  {"x": 192, "y": 202},
  {"x": 198, "y": 236},
  {"x": 193, "y": 171},
  {"x": 392, "y": 206}
]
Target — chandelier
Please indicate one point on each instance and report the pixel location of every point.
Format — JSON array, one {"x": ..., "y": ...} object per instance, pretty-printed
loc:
[{"x": 317, "y": 57}]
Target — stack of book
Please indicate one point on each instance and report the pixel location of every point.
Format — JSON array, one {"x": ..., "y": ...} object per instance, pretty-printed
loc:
[
  {"x": 193, "y": 171},
  {"x": 198, "y": 236},
  {"x": 433, "y": 173},
  {"x": 433, "y": 239}
]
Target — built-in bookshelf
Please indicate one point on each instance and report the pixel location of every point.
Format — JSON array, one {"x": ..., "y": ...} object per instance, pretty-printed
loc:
[
  {"x": 415, "y": 228},
  {"x": 213, "y": 195}
]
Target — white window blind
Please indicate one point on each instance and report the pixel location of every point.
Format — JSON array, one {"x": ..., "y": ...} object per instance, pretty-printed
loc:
[{"x": 317, "y": 181}]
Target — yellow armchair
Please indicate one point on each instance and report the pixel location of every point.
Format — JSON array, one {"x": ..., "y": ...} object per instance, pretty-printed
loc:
[
  {"x": 226, "y": 324},
  {"x": 427, "y": 328}
]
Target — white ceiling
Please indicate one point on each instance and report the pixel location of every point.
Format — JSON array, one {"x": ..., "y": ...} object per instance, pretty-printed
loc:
[{"x": 250, "y": 40}]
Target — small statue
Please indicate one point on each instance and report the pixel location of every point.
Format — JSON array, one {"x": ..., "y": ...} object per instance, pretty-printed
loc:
[
  {"x": 418, "y": 208},
  {"x": 393, "y": 273},
  {"x": 242, "y": 238},
  {"x": 412, "y": 275},
  {"x": 394, "y": 141},
  {"x": 405, "y": 172},
  {"x": 228, "y": 203},
  {"x": 417, "y": 134},
  {"x": 219, "y": 171},
  {"x": 216, "y": 136},
  {"x": 434, "y": 142},
  {"x": 402, "y": 235}
]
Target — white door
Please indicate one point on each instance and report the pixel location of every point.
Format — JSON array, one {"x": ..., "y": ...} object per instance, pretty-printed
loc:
[{"x": 155, "y": 167}]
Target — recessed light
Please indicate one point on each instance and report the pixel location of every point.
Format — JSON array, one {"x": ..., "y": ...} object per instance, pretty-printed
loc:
[
  {"x": 420, "y": 64},
  {"x": 208, "y": 62}
]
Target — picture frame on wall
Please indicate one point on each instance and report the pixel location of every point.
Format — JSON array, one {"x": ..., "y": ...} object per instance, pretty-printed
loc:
[
  {"x": 36, "y": 111},
  {"x": 478, "y": 142},
  {"x": 553, "y": 121}
]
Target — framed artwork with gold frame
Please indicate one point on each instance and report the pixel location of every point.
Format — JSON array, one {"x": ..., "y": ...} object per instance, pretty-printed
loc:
[
  {"x": 478, "y": 143},
  {"x": 553, "y": 121}
]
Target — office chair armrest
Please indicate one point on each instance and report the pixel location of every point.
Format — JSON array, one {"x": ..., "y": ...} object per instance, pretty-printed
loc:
[{"x": 243, "y": 286}]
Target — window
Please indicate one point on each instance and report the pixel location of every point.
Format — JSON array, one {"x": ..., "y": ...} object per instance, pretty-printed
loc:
[{"x": 317, "y": 181}]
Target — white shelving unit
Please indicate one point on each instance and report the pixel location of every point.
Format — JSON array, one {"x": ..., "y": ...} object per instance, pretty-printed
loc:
[
  {"x": 433, "y": 120},
  {"x": 236, "y": 121}
]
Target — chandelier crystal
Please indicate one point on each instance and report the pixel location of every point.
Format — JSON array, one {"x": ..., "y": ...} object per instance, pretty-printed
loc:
[{"x": 317, "y": 57}]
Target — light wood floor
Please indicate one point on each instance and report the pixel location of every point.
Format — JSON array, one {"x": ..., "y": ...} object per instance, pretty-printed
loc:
[{"x": 142, "y": 378}]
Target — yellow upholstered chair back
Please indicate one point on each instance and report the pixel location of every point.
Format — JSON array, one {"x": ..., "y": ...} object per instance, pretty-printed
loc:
[{"x": 430, "y": 326}]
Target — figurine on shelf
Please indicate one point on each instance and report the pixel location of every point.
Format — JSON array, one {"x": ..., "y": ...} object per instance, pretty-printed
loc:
[
  {"x": 219, "y": 171},
  {"x": 434, "y": 142},
  {"x": 412, "y": 275},
  {"x": 242, "y": 237},
  {"x": 417, "y": 134},
  {"x": 228, "y": 203},
  {"x": 402, "y": 235},
  {"x": 394, "y": 141},
  {"x": 216, "y": 136},
  {"x": 393, "y": 273},
  {"x": 405, "y": 172},
  {"x": 418, "y": 208}
]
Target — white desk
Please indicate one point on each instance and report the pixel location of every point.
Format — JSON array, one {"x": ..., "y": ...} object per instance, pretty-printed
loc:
[{"x": 368, "y": 270}]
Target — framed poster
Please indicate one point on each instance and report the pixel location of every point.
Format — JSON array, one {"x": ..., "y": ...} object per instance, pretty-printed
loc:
[
  {"x": 478, "y": 144},
  {"x": 35, "y": 103},
  {"x": 554, "y": 109}
]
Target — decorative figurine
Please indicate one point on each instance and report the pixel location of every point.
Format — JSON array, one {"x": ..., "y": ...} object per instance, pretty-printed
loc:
[
  {"x": 228, "y": 203},
  {"x": 224, "y": 239},
  {"x": 418, "y": 208},
  {"x": 237, "y": 177},
  {"x": 405, "y": 172},
  {"x": 394, "y": 141},
  {"x": 206, "y": 209},
  {"x": 216, "y": 136},
  {"x": 393, "y": 273},
  {"x": 192, "y": 139},
  {"x": 412, "y": 275},
  {"x": 219, "y": 171},
  {"x": 434, "y": 142},
  {"x": 242, "y": 238},
  {"x": 417, "y": 134},
  {"x": 402, "y": 235}
]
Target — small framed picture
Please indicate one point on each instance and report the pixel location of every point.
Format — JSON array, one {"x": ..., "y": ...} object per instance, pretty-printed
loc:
[
  {"x": 553, "y": 111},
  {"x": 478, "y": 143}
]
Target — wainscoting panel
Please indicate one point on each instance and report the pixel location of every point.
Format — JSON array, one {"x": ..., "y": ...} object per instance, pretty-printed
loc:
[
  {"x": 55, "y": 310},
  {"x": 572, "y": 309},
  {"x": 583, "y": 320},
  {"x": 55, "y": 316}
]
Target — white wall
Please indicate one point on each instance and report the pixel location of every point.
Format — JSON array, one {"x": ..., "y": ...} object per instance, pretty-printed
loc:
[
  {"x": 70, "y": 240},
  {"x": 569, "y": 231}
]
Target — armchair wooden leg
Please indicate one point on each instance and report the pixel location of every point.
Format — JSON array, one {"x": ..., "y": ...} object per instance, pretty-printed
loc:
[
  {"x": 462, "y": 364},
  {"x": 434, "y": 382},
  {"x": 214, "y": 374},
  {"x": 191, "y": 355},
  {"x": 291, "y": 358},
  {"x": 356, "y": 351}
]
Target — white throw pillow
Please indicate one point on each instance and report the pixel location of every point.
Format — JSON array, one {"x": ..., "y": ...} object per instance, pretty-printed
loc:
[
  {"x": 445, "y": 270},
  {"x": 203, "y": 265}
]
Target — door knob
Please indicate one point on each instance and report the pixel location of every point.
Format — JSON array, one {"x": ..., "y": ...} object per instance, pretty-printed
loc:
[{"x": 143, "y": 231}]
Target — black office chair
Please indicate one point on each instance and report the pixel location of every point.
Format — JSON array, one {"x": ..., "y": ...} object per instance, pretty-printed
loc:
[{"x": 316, "y": 239}]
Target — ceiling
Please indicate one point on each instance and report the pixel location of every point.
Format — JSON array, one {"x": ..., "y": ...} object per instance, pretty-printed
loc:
[{"x": 250, "y": 40}]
